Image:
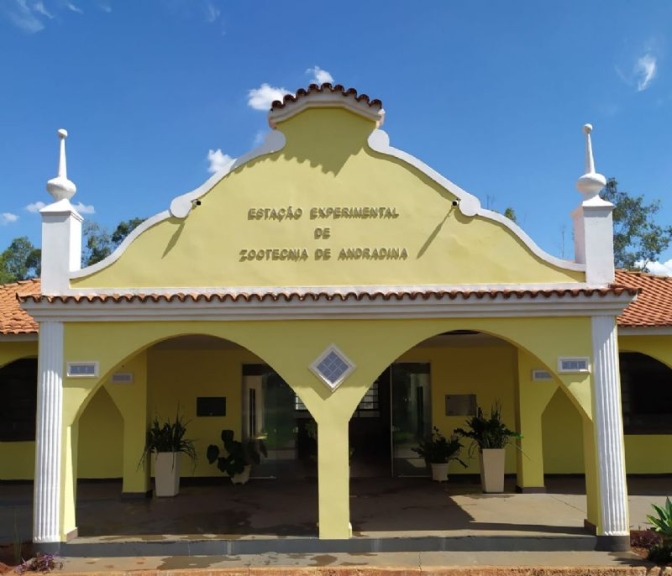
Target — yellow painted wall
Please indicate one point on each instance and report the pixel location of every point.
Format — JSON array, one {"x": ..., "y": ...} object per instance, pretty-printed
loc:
[
  {"x": 17, "y": 459},
  {"x": 178, "y": 377},
  {"x": 11, "y": 351},
  {"x": 488, "y": 372},
  {"x": 326, "y": 163},
  {"x": 562, "y": 436},
  {"x": 101, "y": 436},
  {"x": 648, "y": 453}
]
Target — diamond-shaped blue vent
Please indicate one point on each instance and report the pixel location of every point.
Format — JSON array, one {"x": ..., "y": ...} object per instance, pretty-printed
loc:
[{"x": 332, "y": 368}]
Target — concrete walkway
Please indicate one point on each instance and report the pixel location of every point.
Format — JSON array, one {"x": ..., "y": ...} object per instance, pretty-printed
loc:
[
  {"x": 397, "y": 564},
  {"x": 380, "y": 508}
]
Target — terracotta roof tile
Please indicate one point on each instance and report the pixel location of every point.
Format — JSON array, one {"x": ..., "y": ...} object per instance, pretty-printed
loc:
[
  {"x": 318, "y": 88},
  {"x": 345, "y": 294},
  {"x": 653, "y": 307},
  {"x": 13, "y": 319}
]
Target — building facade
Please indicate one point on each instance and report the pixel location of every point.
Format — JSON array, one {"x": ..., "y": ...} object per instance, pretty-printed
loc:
[{"x": 329, "y": 277}]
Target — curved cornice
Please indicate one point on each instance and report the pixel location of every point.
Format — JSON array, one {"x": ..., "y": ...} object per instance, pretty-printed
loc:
[
  {"x": 468, "y": 204},
  {"x": 182, "y": 205}
]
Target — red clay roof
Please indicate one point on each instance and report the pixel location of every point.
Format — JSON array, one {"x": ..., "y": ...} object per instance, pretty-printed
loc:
[
  {"x": 13, "y": 319},
  {"x": 653, "y": 307},
  {"x": 318, "y": 88},
  {"x": 374, "y": 294}
]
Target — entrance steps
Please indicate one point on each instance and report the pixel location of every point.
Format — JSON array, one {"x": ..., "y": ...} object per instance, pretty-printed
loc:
[{"x": 199, "y": 545}]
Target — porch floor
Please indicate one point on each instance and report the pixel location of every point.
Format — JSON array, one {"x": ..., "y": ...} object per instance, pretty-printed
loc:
[{"x": 422, "y": 513}]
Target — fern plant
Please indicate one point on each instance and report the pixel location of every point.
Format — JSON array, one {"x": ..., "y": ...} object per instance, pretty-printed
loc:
[
  {"x": 168, "y": 436},
  {"x": 487, "y": 431},
  {"x": 662, "y": 524}
]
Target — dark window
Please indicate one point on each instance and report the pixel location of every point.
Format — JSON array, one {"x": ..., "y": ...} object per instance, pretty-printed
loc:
[
  {"x": 646, "y": 389},
  {"x": 18, "y": 391}
]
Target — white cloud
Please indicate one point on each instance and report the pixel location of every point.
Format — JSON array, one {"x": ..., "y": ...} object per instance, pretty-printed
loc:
[
  {"x": 319, "y": 76},
  {"x": 35, "y": 207},
  {"x": 261, "y": 98},
  {"x": 645, "y": 71},
  {"x": 211, "y": 11},
  {"x": 84, "y": 209},
  {"x": 33, "y": 15},
  {"x": 70, "y": 6},
  {"x": 41, "y": 9},
  {"x": 218, "y": 160},
  {"x": 662, "y": 268},
  {"x": 8, "y": 218},
  {"x": 22, "y": 15}
]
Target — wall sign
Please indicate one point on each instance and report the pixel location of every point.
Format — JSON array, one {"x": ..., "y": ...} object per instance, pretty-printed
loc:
[{"x": 211, "y": 406}]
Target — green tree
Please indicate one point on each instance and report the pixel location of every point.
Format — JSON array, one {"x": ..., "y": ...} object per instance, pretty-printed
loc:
[
  {"x": 510, "y": 213},
  {"x": 20, "y": 261},
  {"x": 99, "y": 243},
  {"x": 638, "y": 239},
  {"x": 123, "y": 229}
]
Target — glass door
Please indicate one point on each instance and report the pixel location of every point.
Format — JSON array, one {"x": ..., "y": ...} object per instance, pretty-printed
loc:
[
  {"x": 269, "y": 406},
  {"x": 411, "y": 416}
]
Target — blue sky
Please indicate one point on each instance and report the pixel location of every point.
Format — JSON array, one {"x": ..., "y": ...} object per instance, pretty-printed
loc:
[{"x": 491, "y": 94}]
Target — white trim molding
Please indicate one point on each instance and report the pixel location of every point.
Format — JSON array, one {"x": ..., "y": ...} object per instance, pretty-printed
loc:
[
  {"x": 468, "y": 204},
  {"x": 608, "y": 423},
  {"x": 47, "y": 498},
  {"x": 216, "y": 309},
  {"x": 327, "y": 98},
  {"x": 339, "y": 357},
  {"x": 182, "y": 205},
  {"x": 645, "y": 331}
]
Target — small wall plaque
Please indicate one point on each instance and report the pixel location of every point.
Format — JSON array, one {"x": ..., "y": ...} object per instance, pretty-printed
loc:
[
  {"x": 461, "y": 405},
  {"x": 82, "y": 369},
  {"x": 211, "y": 406}
]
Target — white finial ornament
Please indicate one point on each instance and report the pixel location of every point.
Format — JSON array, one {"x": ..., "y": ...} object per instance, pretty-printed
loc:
[
  {"x": 591, "y": 182},
  {"x": 60, "y": 187}
]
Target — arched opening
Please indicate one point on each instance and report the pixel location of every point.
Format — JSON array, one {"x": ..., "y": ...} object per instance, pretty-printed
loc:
[
  {"x": 214, "y": 384},
  {"x": 18, "y": 389},
  {"x": 438, "y": 383},
  {"x": 646, "y": 393}
]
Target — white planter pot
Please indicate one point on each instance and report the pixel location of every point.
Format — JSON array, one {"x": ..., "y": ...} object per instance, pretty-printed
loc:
[
  {"x": 492, "y": 469},
  {"x": 167, "y": 474},
  {"x": 440, "y": 472},
  {"x": 243, "y": 477}
]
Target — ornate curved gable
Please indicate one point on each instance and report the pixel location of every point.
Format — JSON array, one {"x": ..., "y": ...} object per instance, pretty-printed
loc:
[{"x": 326, "y": 201}]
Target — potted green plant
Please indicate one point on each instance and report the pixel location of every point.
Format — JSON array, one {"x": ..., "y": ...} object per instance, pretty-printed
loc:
[
  {"x": 239, "y": 456},
  {"x": 490, "y": 435},
  {"x": 166, "y": 440},
  {"x": 438, "y": 451}
]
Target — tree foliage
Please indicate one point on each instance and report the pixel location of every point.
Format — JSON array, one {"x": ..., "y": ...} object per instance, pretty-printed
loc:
[
  {"x": 510, "y": 213},
  {"x": 21, "y": 260},
  {"x": 638, "y": 239},
  {"x": 99, "y": 243}
]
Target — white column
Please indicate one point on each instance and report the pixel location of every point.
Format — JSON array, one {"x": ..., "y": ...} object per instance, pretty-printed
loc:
[
  {"x": 608, "y": 421},
  {"x": 47, "y": 497}
]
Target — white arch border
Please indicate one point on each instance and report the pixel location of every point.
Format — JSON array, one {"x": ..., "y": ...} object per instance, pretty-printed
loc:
[{"x": 378, "y": 141}]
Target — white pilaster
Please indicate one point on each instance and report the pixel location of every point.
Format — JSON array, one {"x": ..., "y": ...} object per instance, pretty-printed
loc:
[
  {"x": 47, "y": 496},
  {"x": 61, "y": 246},
  {"x": 593, "y": 224},
  {"x": 61, "y": 230},
  {"x": 608, "y": 420}
]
